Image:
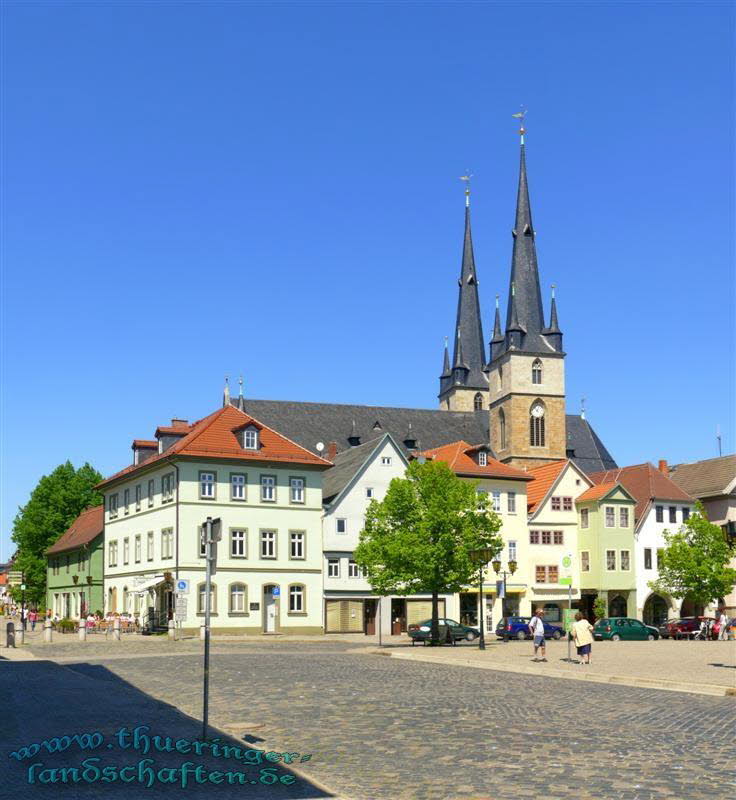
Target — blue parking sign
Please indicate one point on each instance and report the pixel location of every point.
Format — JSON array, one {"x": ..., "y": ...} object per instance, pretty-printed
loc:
[{"x": 276, "y": 591}]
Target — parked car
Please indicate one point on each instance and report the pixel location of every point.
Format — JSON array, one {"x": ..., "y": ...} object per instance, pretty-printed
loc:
[
  {"x": 423, "y": 630},
  {"x": 687, "y": 627},
  {"x": 518, "y": 628},
  {"x": 617, "y": 628},
  {"x": 664, "y": 628}
]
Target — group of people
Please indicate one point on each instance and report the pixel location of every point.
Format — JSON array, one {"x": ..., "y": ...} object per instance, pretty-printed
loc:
[
  {"x": 27, "y": 615},
  {"x": 582, "y": 634}
]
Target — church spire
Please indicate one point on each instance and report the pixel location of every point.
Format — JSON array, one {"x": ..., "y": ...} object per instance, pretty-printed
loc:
[
  {"x": 498, "y": 339},
  {"x": 552, "y": 332},
  {"x": 469, "y": 350}
]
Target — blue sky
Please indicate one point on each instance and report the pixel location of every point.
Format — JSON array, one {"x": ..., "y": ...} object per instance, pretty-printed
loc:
[{"x": 199, "y": 189}]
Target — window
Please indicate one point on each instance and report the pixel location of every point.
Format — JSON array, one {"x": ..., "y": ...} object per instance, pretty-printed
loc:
[
  {"x": 502, "y": 429},
  {"x": 537, "y": 371},
  {"x": 250, "y": 439},
  {"x": 201, "y": 598},
  {"x": 673, "y": 513},
  {"x": 660, "y": 556},
  {"x": 341, "y": 525},
  {"x": 584, "y": 561},
  {"x": 296, "y": 490},
  {"x": 536, "y": 425},
  {"x": 167, "y": 543},
  {"x": 584, "y": 517},
  {"x": 268, "y": 488},
  {"x": 238, "y": 542},
  {"x": 268, "y": 544},
  {"x": 482, "y": 458},
  {"x": 660, "y": 513},
  {"x": 296, "y": 599},
  {"x": 496, "y": 500},
  {"x": 546, "y": 574},
  {"x": 137, "y": 549},
  {"x": 567, "y": 503},
  {"x": 138, "y": 493},
  {"x": 511, "y": 502},
  {"x": 126, "y": 501},
  {"x": 237, "y": 486},
  {"x": 647, "y": 558},
  {"x": 353, "y": 569},
  {"x": 625, "y": 560},
  {"x": 151, "y": 489},
  {"x": 207, "y": 482},
  {"x": 623, "y": 517},
  {"x": 369, "y": 492},
  {"x": 237, "y": 598},
  {"x": 296, "y": 544},
  {"x": 610, "y": 560},
  {"x": 167, "y": 488},
  {"x": 112, "y": 554},
  {"x": 685, "y": 513},
  {"x": 556, "y": 504},
  {"x": 533, "y": 537},
  {"x": 333, "y": 567},
  {"x": 546, "y": 537},
  {"x": 512, "y": 550},
  {"x": 149, "y": 546},
  {"x": 126, "y": 550},
  {"x": 478, "y": 402},
  {"x": 559, "y": 537},
  {"x": 610, "y": 516},
  {"x": 386, "y": 461},
  {"x": 112, "y": 506}
]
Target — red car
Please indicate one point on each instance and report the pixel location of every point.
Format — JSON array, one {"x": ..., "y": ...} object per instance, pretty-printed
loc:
[{"x": 687, "y": 627}]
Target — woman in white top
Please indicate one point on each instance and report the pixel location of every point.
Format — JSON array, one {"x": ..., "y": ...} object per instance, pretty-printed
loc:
[{"x": 582, "y": 633}]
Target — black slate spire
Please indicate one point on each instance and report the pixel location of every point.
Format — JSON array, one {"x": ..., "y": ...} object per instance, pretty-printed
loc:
[
  {"x": 446, "y": 376},
  {"x": 552, "y": 332},
  {"x": 469, "y": 344}
]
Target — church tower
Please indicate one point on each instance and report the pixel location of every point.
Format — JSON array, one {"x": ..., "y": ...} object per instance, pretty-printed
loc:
[
  {"x": 464, "y": 384},
  {"x": 527, "y": 367}
]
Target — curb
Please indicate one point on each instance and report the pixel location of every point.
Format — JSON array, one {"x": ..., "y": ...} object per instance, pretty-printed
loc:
[{"x": 620, "y": 680}]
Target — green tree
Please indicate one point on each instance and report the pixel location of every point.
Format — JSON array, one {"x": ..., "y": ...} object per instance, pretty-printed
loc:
[
  {"x": 54, "y": 504},
  {"x": 600, "y": 607},
  {"x": 420, "y": 537},
  {"x": 695, "y": 562}
]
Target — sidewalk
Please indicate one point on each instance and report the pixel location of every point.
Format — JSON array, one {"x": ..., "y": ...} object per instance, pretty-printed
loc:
[{"x": 696, "y": 667}]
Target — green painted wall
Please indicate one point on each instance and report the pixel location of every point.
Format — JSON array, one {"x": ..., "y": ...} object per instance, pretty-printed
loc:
[{"x": 64, "y": 581}]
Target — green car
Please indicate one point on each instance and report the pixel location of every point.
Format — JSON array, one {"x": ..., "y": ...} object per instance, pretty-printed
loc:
[{"x": 623, "y": 628}]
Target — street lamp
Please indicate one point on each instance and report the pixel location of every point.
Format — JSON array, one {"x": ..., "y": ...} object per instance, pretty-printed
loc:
[
  {"x": 481, "y": 556},
  {"x": 497, "y": 569}
]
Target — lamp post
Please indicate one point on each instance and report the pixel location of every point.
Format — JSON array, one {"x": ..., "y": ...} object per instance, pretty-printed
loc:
[
  {"x": 497, "y": 569},
  {"x": 481, "y": 556}
]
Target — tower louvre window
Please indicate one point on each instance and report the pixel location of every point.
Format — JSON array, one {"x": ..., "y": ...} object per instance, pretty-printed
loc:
[
  {"x": 537, "y": 371},
  {"x": 502, "y": 429},
  {"x": 536, "y": 425},
  {"x": 478, "y": 402}
]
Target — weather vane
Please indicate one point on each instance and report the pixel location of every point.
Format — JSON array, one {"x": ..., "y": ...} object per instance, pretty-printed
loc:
[
  {"x": 468, "y": 175},
  {"x": 521, "y": 116}
]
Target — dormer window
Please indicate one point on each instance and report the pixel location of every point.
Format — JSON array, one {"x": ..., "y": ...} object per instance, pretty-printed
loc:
[
  {"x": 250, "y": 439},
  {"x": 482, "y": 458}
]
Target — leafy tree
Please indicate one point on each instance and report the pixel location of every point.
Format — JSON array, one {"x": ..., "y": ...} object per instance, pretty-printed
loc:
[
  {"x": 695, "y": 562},
  {"x": 55, "y": 503},
  {"x": 420, "y": 537}
]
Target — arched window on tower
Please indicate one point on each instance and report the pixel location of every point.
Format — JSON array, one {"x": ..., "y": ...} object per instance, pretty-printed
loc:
[
  {"x": 537, "y": 371},
  {"x": 478, "y": 402},
  {"x": 501, "y": 430},
  {"x": 536, "y": 424}
]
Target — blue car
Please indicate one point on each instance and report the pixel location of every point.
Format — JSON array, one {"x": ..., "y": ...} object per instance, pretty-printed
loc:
[{"x": 518, "y": 628}]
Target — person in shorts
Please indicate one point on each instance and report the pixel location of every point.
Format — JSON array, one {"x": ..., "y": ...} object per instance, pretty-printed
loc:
[
  {"x": 582, "y": 634},
  {"x": 536, "y": 628}
]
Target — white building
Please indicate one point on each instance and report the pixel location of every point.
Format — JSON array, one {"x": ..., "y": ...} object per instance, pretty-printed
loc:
[{"x": 266, "y": 490}]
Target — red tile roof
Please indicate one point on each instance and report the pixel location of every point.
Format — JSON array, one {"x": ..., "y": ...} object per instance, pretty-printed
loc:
[
  {"x": 543, "y": 480},
  {"x": 457, "y": 457},
  {"x": 86, "y": 527},
  {"x": 644, "y": 482},
  {"x": 149, "y": 443},
  {"x": 214, "y": 437},
  {"x": 596, "y": 492}
]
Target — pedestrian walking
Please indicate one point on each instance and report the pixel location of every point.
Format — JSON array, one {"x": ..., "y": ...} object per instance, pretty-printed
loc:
[
  {"x": 582, "y": 634},
  {"x": 723, "y": 626},
  {"x": 536, "y": 628},
  {"x": 33, "y": 618},
  {"x": 24, "y": 617}
]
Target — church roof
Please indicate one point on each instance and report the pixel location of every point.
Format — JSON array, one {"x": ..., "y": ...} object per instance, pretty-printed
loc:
[{"x": 585, "y": 448}]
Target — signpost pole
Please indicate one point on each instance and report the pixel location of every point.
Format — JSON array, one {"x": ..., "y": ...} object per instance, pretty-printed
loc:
[
  {"x": 569, "y": 617},
  {"x": 380, "y": 635},
  {"x": 207, "y": 592}
]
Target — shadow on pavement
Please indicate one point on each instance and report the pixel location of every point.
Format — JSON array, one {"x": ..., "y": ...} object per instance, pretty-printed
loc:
[{"x": 43, "y": 702}]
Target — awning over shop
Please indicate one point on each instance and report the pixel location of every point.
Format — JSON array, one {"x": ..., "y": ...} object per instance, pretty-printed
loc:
[{"x": 142, "y": 588}]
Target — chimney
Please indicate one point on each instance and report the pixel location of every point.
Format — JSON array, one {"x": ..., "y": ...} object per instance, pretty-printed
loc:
[
  {"x": 331, "y": 451},
  {"x": 179, "y": 423},
  {"x": 663, "y": 467}
]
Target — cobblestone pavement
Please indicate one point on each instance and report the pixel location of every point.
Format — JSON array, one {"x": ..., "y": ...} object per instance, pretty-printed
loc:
[{"x": 383, "y": 729}]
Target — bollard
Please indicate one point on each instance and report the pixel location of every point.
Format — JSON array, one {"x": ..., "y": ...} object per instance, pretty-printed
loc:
[
  {"x": 172, "y": 629},
  {"x": 48, "y": 629},
  {"x": 82, "y": 630},
  {"x": 10, "y": 635},
  {"x": 201, "y": 632},
  {"x": 116, "y": 629}
]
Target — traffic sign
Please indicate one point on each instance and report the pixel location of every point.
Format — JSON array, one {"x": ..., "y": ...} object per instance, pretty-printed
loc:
[
  {"x": 180, "y": 612},
  {"x": 182, "y": 585},
  {"x": 276, "y": 592},
  {"x": 566, "y": 581}
]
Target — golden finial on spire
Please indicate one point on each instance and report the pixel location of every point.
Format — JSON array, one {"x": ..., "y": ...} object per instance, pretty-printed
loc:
[
  {"x": 521, "y": 115},
  {"x": 468, "y": 175}
]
